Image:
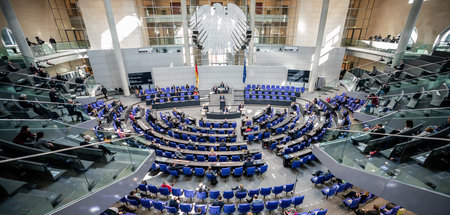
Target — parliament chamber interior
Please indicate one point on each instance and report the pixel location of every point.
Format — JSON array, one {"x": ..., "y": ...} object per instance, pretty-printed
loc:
[{"x": 292, "y": 107}]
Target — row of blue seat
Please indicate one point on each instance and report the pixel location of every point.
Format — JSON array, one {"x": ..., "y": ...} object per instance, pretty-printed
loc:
[
  {"x": 271, "y": 93},
  {"x": 217, "y": 125},
  {"x": 227, "y": 208},
  {"x": 201, "y": 158},
  {"x": 199, "y": 138},
  {"x": 225, "y": 171},
  {"x": 167, "y": 90},
  {"x": 302, "y": 161},
  {"x": 280, "y": 98},
  {"x": 275, "y": 88}
]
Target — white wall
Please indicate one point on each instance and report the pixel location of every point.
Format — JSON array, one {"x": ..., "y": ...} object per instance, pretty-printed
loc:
[
  {"x": 213, "y": 75},
  {"x": 329, "y": 64},
  {"x": 127, "y": 20},
  {"x": 105, "y": 69}
]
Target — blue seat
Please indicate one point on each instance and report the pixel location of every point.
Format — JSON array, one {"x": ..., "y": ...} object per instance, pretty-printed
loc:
[
  {"x": 225, "y": 172},
  {"x": 164, "y": 191},
  {"x": 214, "y": 194},
  {"x": 289, "y": 188},
  {"x": 133, "y": 202},
  {"x": 173, "y": 172},
  {"x": 241, "y": 195},
  {"x": 201, "y": 158},
  {"x": 142, "y": 187},
  {"x": 235, "y": 157},
  {"x": 228, "y": 195},
  {"x": 229, "y": 209},
  {"x": 251, "y": 171},
  {"x": 277, "y": 190},
  {"x": 262, "y": 169},
  {"x": 330, "y": 191},
  {"x": 153, "y": 189},
  {"x": 146, "y": 203},
  {"x": 285, "y": 203},
  {"x": 177, "y": 192},
  {"x": 189, "y": 194},
  {"x": 318, "y": 180},
  {"x": 171, "y": 210},
  {"x": 159, "y": 205},
  {"x": 199, "y": 171},
  {"x": 258, "y": 156},
  {"x": 296, "y": 164},
  {"x": 393, "y": 211},
  {"x": 257, "y": 208},
  {"x": 201, "y": 195},
  {"x": 186, "y": 208},
  {"x": 238, "y": 171},
  {"x": 163, "y": 168},
  {"x": 266, "y": 191},
  {"x": 190, "y": 157},
  {"x": 319, "y": 211},
  {"x": 251, "y": 193},
  {"x": 223, "y": 158},
  {"x": 244, "y": 208},
  {"x": 271, "y": 205},
  {"x": 351, "y": 203},
  {"x": 297, "y": 200},
  {"x": 203, "y": 207},
  {"x": 214, "y": 210},
  {"x": 212, "y": 158}
]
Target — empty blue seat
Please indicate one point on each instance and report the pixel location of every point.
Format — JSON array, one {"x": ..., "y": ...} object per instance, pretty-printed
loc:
[
  {"x": 277, "y": 190},
  {"x": 212, "y": 158},
  {"x": 223, "y": 158},
  {"x": 177, "y": 192},
  {"x": 189, "y": 194},
  {"x": 153, "y": 189},
  {"x": 199, "y": 171},
  {"x": 271, "y": 205},
  {"x": 159, "y": 205},
  {"x": 171, "y": 210},
  {"x": 244, "y": 208},
  {"x": 225, "y": 172},
  {"x": 251, "y": 193},
  {"x": 214, "y": 194},
  {"x": 241, "y": 195},
  {"x": 201, "y": 158},
  {"x": 164, "y": 191},
  {"x": 352, "y": 203},
  {"x": 296, "y": 164},
  {"x": 318, "y": 180},
  {"x": 297, "y": 200},
  {"x": 257, "y": 208},
  {"x": 238, "y": 171},
  {"x": 289, "y": 188},
  {"x": 146, "y": 203},
  {"x": 262, "y": 169},
  {"x": 285, "y": 203},
  {"x": 330, "y": 191},
  {"x": 214, "y": 210},
  {"x": 190, "y": 157},
  {"x": 228, "y": 195},
  {"x": 229, "y": 209},
  {"x": 235, "y": 157},
  {"x": 201, "y": 195},
  {"x": 266, "y": 191}
]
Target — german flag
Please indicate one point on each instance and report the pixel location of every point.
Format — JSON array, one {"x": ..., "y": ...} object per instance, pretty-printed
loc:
[{"x": 196, "y": 74}]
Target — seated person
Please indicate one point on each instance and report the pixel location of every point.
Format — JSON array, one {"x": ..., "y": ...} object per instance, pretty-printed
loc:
[
  {"x": 72, "y": 111},
  {"x": 174, "y": 202},
  {"x": 378, "y": 128},
  {"x": 91, "y": 110},
  {"x": 24, "y": 136},
  {"x": 408, "y": 125},
  {"x": 427, "y": 132},
  {"x": 444, "y": 125},
  {"x": 247, "y": 164},
  {"x": 374, "y": 211},
  {"x": 219, "y": 202},
  {"x": 178, "y": 153},
  {"x": 11, "y": 67},
  {"x": 176, "y": 167},
  {"x": 166, "y": 184},
  {"x": 42, "y": 143},
  {"x": 239, "y": 189},
  {"x": 384, "y": 89},
  {"x": 86, "y": 141},
  {"x": 374, "y": 71},
  {"x": 241, "y": 107}
]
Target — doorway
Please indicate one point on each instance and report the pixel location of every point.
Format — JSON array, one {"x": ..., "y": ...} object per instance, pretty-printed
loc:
[{"x": 78, "y": 37}]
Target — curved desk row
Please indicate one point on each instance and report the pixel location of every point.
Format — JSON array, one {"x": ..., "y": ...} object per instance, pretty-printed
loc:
[
  {"x": 186, "y": 142},
  {"x": 206, "y": 164},
  {"x": 197, "y": 152},
  {"x": 221, "y": 115},
  {"x": 173, "y": 104}
]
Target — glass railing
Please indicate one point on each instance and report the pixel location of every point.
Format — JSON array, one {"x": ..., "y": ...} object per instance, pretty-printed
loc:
[
  {"x": 349, "y": 81},
  {"x": 68, "y": 172},
  {"x": 47, "y": 49},
  {"x": 408, "y": 156},
  {"x": 415, "y": 49}
]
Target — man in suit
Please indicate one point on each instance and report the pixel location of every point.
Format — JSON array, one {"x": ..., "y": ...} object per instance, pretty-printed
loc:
[
  {"x": 33, "y": 69},
  {"x": 53, "y": 42},
  {"x": 11, "y": 67},
  {"x": 222, "y": 97},
  {"x": 54, "y": 96},
  {"x": 71, "y": 109}
]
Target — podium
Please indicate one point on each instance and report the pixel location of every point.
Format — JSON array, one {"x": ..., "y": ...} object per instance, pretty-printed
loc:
[{"x": 222, "y": 104}]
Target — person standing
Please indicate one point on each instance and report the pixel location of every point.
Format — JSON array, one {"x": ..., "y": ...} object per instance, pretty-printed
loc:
[
  {"x": 53, "y": 42},
  {"x": 105, "y": 92}
]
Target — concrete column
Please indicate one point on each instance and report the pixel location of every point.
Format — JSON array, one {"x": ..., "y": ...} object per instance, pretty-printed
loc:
[
  {"x": 116, "y": 47},
  {"x": 187, "y": 47},
  {"x": 13, "y": 24},
  {"x": 315, "y": 68},
  {"x": 407, "y": 31},
  {"x": 251, "y": 60}
]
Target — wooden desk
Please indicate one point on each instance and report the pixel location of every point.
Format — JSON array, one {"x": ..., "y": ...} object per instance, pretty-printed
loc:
[
  {"x": 287, "y": 158},
  {"x": 206, "y": 164}
]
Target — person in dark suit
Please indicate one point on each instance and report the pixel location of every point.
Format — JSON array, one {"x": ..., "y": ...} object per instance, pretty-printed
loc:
[
  {"x": 400, "y": 66},
  {"x": 222, "y": 97},
  {"x": 86, "y": 141},
  {"x": 60, "y": 78},
  {"x": 247, "y": 164},
  {"x": 52, "y": 41},
  {"x": 269, "y": 109},
  {"x": 32, "y": 68},
  {"x": 105, "y": 92},
  {"x": 11, "y": 67},
  {"x": 54, "y": 96},
  {"x": 80, "y": 83},
  {"x": 71, "y": 109}
]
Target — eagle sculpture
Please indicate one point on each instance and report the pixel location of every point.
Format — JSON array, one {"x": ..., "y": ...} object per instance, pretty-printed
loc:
[{"x": 221, "y": 30}]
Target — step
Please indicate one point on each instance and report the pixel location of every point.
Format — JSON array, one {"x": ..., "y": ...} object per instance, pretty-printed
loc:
[
  {"x": 52, "y": 197},
  {"x": 23, "y": 203}
]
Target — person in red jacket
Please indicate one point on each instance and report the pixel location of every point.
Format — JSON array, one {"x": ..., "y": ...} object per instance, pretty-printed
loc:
[
  {"x": 24, "y": 136},
  {"x": 166, "y": 184}
]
